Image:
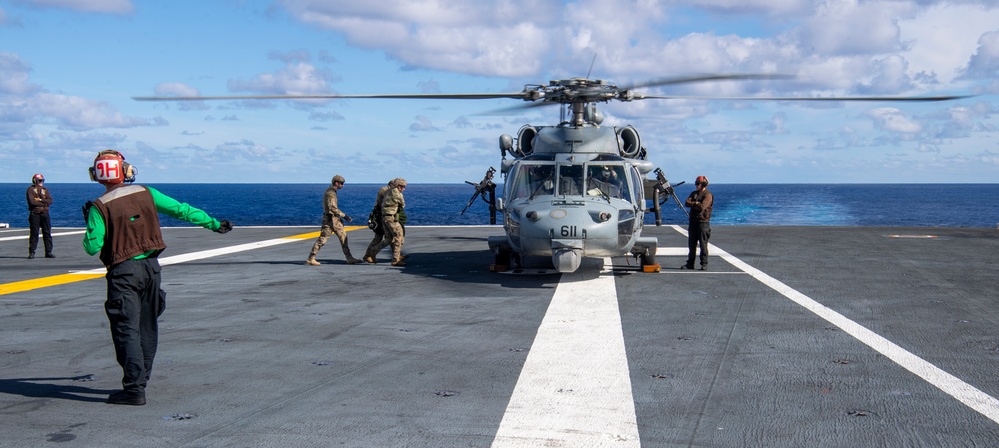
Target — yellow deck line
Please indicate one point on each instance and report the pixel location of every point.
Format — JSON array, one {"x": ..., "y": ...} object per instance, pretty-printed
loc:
[
  {"x": 55, "y": 280},
  {"x": 72, "y": 277}
]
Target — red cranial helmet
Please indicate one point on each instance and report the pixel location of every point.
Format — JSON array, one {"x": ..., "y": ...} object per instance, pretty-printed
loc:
[
  {"x": 701, "y": 180},
  {"x": 111, "y": 168},
  {"x": 37, "y": 179}
]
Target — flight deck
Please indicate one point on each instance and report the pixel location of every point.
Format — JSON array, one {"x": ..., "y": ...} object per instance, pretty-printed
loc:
[{"x": 795, "y": 336}]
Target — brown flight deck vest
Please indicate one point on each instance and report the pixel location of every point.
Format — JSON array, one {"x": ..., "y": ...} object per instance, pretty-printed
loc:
[{"x": 131, "y": 222}]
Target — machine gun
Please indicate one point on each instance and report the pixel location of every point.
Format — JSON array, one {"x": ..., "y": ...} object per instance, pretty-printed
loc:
[
  {"x": 662, "y": 191},
  {"x": 487, "y": 189}
]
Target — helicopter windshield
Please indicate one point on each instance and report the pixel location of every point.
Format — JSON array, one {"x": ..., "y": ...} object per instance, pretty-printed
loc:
[
  {"x": 570, "y": 180},
  {"x": 533, "y": 179},
  {"x": 608, "y": 181},
  {"x": 604, "y": 180}
]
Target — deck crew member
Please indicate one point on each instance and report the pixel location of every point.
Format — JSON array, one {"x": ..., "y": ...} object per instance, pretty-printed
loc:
[
  {"x": 332, "y": 224},
  {"x": 39, "y": 201},
  {"x": 699, "y": 229},
  {"x": 123, "y": 225},
  {"x": 393, "y": 205}
]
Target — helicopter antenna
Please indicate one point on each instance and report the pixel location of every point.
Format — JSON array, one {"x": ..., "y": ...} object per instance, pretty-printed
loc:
[{"x": 594, "y": 61}]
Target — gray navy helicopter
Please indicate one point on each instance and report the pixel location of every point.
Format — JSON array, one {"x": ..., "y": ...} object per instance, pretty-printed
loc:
[{"x": 575, "y": 189}]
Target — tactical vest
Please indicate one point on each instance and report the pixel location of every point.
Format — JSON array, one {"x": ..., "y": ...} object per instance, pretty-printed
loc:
[
  {"x": 391, "y": 203},
  {"x": 131, "y": 223}
]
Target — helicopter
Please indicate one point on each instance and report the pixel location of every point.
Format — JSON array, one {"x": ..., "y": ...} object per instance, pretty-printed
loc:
[{"x": 575, "y": 189}]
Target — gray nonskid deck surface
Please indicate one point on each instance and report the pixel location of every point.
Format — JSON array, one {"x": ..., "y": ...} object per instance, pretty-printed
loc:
[{"x": 257, "y": 349}]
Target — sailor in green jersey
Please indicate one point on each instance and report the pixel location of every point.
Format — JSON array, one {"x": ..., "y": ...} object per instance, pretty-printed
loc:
[{"x": 123, "y": 226}]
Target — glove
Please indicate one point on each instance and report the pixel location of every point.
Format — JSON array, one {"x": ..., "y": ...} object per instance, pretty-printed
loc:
[
  {"x": 347, "y": 218},
  {"x": 86, "y": 211},
  {"x": 224, "y": 226}
]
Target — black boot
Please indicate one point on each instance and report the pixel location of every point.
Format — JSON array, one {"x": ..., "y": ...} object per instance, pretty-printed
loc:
[
  {"x": 127, "y": 398},
  {"x": 31, "y": 255}
]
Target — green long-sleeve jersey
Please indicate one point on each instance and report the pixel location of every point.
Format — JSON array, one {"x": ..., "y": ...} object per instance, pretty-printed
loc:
[{"x": 93, "y": 239}]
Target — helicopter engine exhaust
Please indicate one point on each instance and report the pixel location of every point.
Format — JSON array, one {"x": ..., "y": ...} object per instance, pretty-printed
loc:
[
  {"x": 525, "y": 140},
  {"x": 629, "y": 141}
]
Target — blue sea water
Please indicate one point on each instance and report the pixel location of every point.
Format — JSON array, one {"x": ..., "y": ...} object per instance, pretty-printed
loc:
[{"x": 944, "y": 205}]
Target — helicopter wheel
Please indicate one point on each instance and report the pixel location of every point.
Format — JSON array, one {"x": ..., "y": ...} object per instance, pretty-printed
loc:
[{"x": 648, "y": 258}]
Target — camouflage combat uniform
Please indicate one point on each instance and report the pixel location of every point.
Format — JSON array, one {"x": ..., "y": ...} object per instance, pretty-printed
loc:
[
  {"x": 332, "y": 224},
  {"x": 381, "y": 240},
  {"x": 392, "y": 205}
]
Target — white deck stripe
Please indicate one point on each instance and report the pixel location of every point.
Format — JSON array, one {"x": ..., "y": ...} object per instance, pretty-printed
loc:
[
  {"x": 26, "y": 235},
  {"x": 183, "y": 258},
  {"x": 575, "y": 387},
  {"x": 967, "y": 394}
]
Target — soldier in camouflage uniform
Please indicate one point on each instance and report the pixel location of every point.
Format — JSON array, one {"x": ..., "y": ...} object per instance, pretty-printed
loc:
[
  {"x": 380, "y": 240},
  {"x": 392, "y": 205},
  {"x": 332, "y": 224}
]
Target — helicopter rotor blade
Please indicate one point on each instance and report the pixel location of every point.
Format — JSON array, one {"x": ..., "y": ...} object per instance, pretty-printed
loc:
[
  {"x": 800, "y": 98},
  {"x": 518, "y": 108},
  {"x": 704, "y": 78},
  {"x": 428, "y": 96}
]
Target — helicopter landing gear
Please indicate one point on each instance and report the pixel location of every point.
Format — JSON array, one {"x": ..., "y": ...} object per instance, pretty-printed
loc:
[
  {"x": 645, "y": 250},
  {"x": 503, "y": 255},
  {"x": 501, "y": 261}
]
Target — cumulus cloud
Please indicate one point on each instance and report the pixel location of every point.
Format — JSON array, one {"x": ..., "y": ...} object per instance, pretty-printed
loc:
[
  {"x": 181, "y": 89},
  {"x": 893, "y": 120},
  {"x": 848, "y": 27},
  {"x": 296, "y": 78},
  {"x": 24, "y": 105},
  {"x": 836, "y": 46},
  {"x": 985, "y": 62},
  {"x": 423, "y": 124},
  {"x": 453, "y": 35}
]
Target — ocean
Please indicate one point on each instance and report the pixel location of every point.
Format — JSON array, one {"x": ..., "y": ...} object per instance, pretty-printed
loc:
[{"x": 943, "y": 205}]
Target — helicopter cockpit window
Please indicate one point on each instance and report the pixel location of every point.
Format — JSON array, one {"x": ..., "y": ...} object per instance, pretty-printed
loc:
[
  {"x": 608, "y": 181},
  {"x": 533, "y": 180},
  {"x": 570, "y": 180}
]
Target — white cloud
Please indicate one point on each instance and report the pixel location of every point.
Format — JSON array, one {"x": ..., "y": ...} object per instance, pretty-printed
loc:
[
  {"x": 14, "y": 74},
  {"x": 985, "y": 62},
  {"x": 296, "y": 78},
  {"x": 850, "y": 27},
  {"x": 944, "y": 35},
  {"x": 498, "y": 39},
  {"x": 24, "y": 105},
  {"x": 423, "y": 124},
  {"x": 893, "y": 120}
]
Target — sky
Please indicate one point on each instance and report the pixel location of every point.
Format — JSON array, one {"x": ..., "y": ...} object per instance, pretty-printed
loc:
[{"x": 69, "y": 70}]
